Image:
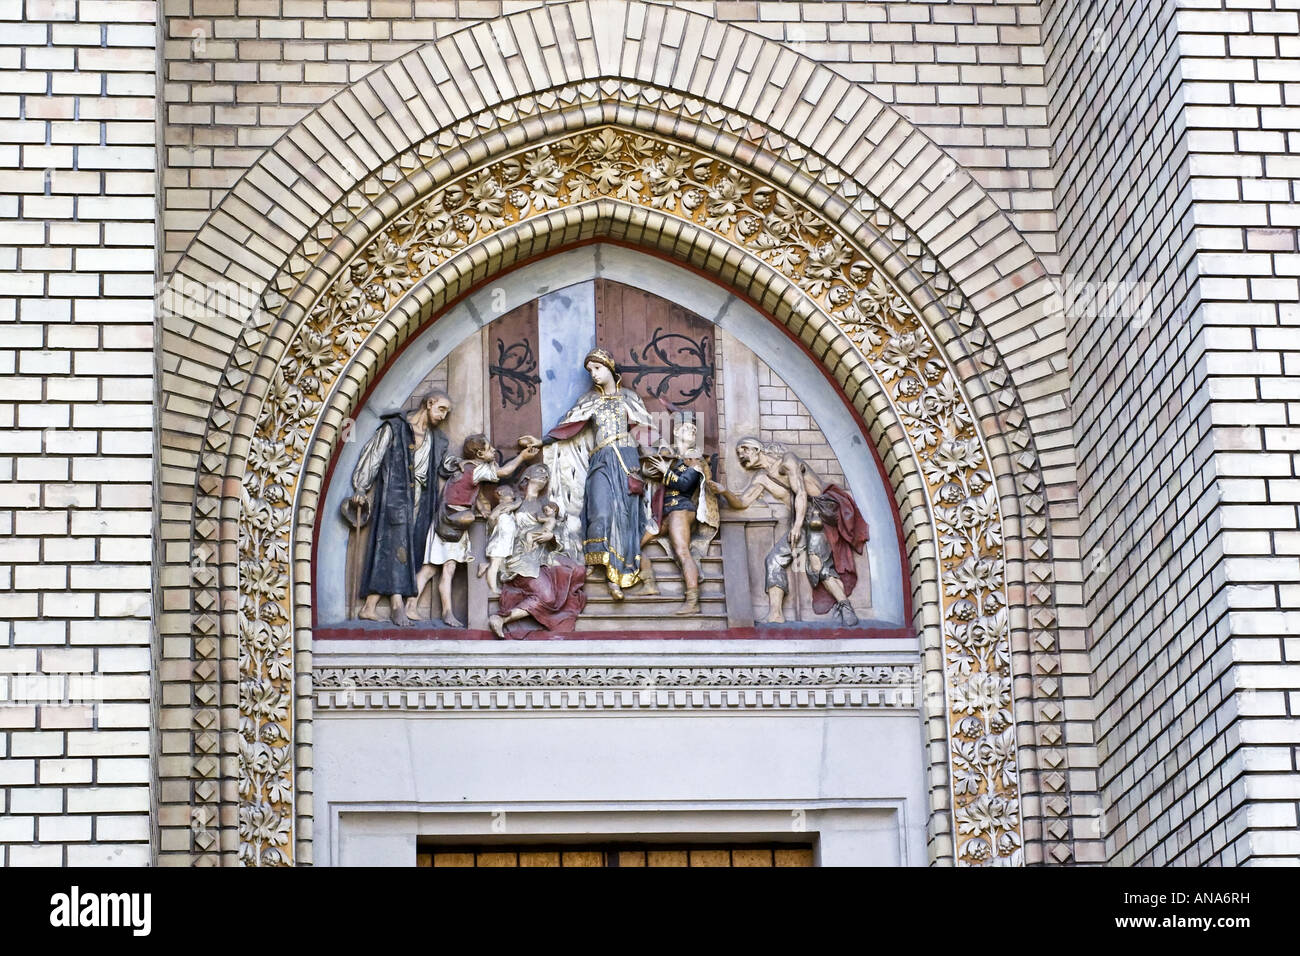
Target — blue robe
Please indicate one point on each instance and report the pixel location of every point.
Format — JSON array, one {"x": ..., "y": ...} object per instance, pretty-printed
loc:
[{"x": 601, "y": 455}]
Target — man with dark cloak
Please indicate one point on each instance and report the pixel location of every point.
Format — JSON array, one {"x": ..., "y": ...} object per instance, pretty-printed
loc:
[{"x": 401, "y": 462}]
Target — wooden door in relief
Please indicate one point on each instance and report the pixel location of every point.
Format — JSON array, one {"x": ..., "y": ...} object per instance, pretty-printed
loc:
[
  {"x": 665, "y": 352},
  {"x": 514, "y": 377}
]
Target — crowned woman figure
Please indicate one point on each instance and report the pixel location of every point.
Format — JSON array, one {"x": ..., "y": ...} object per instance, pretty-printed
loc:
[{"x": 595, "y": 465}]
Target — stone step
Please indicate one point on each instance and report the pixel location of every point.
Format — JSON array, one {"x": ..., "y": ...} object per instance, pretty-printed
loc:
[
  {"x": 642, "y": 612},
  {"x": 658, "y": 551},
  {"x": 709, "y": 561},
  {"x": 650, "y": 607},
  {"x": 670, "y": 591},
  {"x": 601, "y": 604},
  {"x": 711, "y": 622},
  {"x": 667, "y": 568}
]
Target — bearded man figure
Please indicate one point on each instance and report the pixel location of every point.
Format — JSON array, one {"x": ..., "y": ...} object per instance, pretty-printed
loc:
[
  {"x": 820, "y": 522},
  {"x": 401, "y": 463}
]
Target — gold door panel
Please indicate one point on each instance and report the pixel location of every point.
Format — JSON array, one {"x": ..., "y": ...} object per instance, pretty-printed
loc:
[{"x": 610, "y": 855}]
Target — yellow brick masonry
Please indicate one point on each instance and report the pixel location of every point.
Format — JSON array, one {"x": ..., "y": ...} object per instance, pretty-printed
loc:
[
  {"x": 990, "y": 262},
  {"x": 1187, "y": 415},
  {"x": 969, "y": 74},
  {"x": 77, "y": 265},
  {"x": 1174, "y": 133}
]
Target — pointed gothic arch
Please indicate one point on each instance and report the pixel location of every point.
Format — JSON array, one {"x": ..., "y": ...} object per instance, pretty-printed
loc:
[{"x": 328, "y": 195}]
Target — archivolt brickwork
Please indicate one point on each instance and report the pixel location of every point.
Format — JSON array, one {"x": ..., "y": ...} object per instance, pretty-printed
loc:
[{"x": 345, "y": 226}]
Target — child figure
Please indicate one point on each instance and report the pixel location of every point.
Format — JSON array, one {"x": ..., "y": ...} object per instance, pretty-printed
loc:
[
  {"x": 545, "y": 530},
  {"x": 448, "y": 543},
  {"x": 502, "y": 528}
]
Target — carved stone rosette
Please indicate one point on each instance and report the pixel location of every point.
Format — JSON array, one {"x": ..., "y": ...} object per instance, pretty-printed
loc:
[{"x": 776, "y": 228}]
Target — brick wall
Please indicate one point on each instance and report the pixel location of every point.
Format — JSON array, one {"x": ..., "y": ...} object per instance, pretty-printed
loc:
[
  {"x": 1241, "y": 83},
  {"x": 1169, "y": 128},
  {"x": 239, "y": 74},
  {"x": 77, "y": 137},
  {"x": 785, "y": 419},
  {"x": 1170, "y": 131}
]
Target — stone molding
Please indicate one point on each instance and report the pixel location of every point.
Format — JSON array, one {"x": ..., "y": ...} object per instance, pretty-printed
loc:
[{"x": 588, "y": 689}]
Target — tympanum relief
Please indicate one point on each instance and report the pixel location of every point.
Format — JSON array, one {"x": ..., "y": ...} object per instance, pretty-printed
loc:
[{"x": 472, "y": 515}]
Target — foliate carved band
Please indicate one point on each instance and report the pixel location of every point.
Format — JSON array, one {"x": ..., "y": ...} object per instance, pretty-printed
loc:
[{"x": 776, "y": 229}]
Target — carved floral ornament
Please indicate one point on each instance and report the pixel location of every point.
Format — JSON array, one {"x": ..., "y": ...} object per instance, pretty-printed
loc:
[{"x": 771, "y": 226}]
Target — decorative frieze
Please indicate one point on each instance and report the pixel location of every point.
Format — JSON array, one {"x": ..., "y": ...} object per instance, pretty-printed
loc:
[{"x": 587, "y": 689}]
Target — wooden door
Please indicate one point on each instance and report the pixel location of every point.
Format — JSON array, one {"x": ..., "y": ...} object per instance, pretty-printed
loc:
[
  {"x": 616, "y": 855},
  {"x": 666, "y": 353},
  {"x": 514, "y": 377}
]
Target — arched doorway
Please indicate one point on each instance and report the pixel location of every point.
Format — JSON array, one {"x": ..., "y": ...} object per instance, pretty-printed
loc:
[{"x": 971, "y": 768}]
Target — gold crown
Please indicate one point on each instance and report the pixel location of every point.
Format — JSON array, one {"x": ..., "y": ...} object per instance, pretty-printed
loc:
[{"x": 603, "y": 357}]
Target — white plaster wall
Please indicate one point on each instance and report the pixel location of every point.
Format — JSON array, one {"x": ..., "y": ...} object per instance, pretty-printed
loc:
[
  {"x": 850, "y": 780},
  {"x": 385, "y": 780},
  {"x": 671, "y": 282}
]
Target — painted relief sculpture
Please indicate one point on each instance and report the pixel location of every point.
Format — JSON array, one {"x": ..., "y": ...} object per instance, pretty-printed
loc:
[
  {"x": 599, "y": 500},
  {"x": 502, "y": 529},
  {"x": 540, "y": 580},
  {"x": 573, "y": 522},
  {"x": 820, "y": 528},
  {"x": 688, "y": 509},
  {"x": 596, "y": 464},
  {"x": 447, "y": 543},
  {"x": 401, "y": 462}
]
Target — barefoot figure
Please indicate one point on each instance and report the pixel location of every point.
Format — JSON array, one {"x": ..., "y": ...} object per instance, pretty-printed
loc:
[
  {"x": 401, "y": 463},
  {"x": 820, "y": 524},
  {"x": 690, "y": 509},
  {"x": 501, "y": 536}
]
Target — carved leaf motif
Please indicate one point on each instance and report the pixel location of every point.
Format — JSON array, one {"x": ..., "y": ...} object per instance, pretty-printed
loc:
[
  {"x": 976, "y": 817},
  {"x": 981, "y": 692},
  {"x": 823, "y": 265},
  {"x": 966, "y": 778},
  {"x": 973, "y": 576}
]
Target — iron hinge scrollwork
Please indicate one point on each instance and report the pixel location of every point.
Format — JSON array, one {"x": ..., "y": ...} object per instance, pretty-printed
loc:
[
  {"x": 662, "y": 356},
  {"x": 515, "y": 372}
]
